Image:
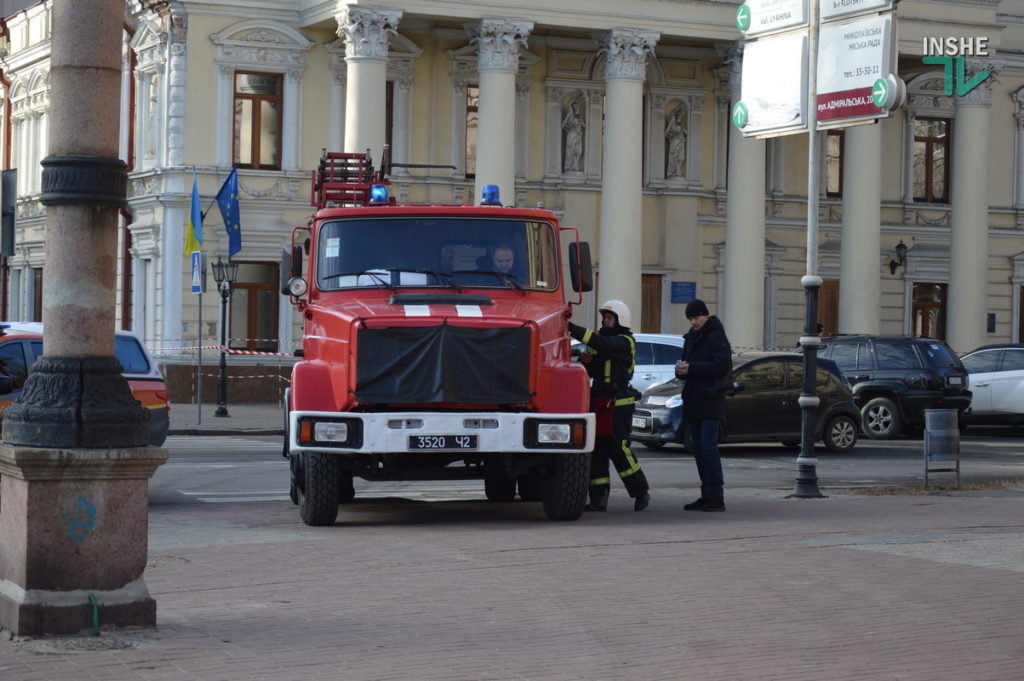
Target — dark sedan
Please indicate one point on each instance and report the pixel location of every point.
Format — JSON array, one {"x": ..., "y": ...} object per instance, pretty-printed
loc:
[{"x": 762, "y": 404}]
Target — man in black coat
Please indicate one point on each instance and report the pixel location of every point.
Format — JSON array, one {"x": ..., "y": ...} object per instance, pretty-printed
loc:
[{"x": 706, "y": 360}]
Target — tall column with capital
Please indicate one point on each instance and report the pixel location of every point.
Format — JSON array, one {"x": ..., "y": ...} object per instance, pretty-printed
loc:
[
  {"x": 1018, "y": 98},
  {"x": 968, "y": 248},
  {"x": 859, "y": 285},
  {"x": 497, "y": 42},
  {"x": 620, "y": 256},
  {"x": 742, "y": 305},
  {"x": 365, "y": 30}
]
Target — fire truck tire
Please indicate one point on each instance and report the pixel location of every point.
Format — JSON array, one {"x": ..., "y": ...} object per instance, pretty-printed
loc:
[
  {"x": 318, "y": 501},
  {"x": 346, "y": 492},
  {"x": 500, "y": 489},
  {"x": 529, "y": 487},
  {"x": 564, "y": 488}
]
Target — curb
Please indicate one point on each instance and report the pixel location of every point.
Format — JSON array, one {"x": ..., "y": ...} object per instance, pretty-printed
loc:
[{"x": 199, "y": 430}]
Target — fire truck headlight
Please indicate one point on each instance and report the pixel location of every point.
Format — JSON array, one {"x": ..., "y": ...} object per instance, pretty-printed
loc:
[
  {"x": 554, "y": 433},
  {"x": 297, "y": 286},
  {"x": 330, "y": 431}
]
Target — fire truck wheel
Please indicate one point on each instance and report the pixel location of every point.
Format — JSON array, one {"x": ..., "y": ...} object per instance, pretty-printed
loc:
[
  {"x": 296, "y": 477},
  {"x": 500, "y": 489},
  {"x": 318, "y": 500},
  {"x": 529, "y": 487},
  {"x": 564, "y": 488},
  {"x": 346, "y": 492}
]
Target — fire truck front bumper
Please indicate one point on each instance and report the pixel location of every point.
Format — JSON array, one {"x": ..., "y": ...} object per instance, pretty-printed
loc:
[{"x": 390, "y": 432}]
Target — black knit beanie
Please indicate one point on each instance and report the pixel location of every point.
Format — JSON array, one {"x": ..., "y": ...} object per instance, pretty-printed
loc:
[{"x": 695, "y": 308}]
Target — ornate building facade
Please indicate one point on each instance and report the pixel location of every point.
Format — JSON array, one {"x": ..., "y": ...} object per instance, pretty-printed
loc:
[{"x": 619, "y": 122}]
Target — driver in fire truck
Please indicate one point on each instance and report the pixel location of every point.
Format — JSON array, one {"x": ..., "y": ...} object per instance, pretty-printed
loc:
[{"x": 610, "y": 359}]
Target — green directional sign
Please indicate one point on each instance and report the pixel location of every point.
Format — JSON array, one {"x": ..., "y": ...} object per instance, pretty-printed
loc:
[
  {"x": 739, "y": 115},
  {"x": 743, "y": 17},
  {"x": 880, "y": 93}
]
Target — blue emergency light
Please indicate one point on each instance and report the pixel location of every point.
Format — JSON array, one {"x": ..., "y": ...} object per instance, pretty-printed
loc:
[
  {"x": 491, "y": 195},
  {"x": 378, "y": 194}
]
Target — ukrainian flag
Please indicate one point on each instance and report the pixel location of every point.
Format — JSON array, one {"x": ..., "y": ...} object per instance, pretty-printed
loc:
[
  {"x": 227, "y": 200},
  {"x": 194, "y": 225}
]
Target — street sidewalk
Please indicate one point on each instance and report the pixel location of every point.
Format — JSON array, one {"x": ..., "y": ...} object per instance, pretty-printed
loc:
[{"x": 242, "y": 419}]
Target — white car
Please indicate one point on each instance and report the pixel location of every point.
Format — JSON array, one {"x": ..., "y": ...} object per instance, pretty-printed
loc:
[
  {"x": 656, "y": 355},
  {"x": 997, "y": 381}
]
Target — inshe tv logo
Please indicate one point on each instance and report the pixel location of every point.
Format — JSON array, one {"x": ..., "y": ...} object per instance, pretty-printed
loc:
[{"x": 953, "y": 51}]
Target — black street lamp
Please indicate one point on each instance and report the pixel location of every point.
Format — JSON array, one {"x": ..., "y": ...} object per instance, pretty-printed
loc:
[{"x": 224, "y": 273}]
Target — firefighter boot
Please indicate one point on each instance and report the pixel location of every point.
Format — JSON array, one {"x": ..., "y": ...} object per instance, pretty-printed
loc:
[{"x": 598, "y": 498}]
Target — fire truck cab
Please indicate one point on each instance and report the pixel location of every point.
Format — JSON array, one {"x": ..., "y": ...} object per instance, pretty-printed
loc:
[{"x": 434, "y": 347}]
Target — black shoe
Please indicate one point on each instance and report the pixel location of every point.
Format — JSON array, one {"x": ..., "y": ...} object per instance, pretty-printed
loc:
[
  {"x": 643, "y": 500},
  {"x": 696, "y": 505},
  {"x": 598, "y": 498},
  {"x": 595, "y": 507},
  {"x": 713, "y": 504}
]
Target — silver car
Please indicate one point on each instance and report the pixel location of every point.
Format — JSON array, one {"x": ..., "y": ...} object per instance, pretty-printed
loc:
[{"x": 656, "y": 355}]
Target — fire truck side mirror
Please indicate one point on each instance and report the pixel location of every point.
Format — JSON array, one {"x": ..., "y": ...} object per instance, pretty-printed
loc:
[
  {"x": 291, "y": 267},
  {"x": 581, "y": 272}
]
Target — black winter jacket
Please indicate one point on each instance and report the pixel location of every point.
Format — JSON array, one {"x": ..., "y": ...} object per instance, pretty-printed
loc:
[
  {"x": 710, "y": 357},
  {"x": 614, "y": 350}
]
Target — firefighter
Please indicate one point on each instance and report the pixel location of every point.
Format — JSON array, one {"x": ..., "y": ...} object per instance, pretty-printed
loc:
[{"x": 610, "y": 358}]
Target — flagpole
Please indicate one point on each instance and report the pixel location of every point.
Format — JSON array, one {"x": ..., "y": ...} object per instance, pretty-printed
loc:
[{"x": 199, "y": 365}]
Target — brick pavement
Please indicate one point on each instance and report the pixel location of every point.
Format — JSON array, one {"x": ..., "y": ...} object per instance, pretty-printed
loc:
[{"x": 844, "y": 588}]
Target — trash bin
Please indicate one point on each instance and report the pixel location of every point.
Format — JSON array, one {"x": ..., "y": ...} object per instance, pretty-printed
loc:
[{"x": 941, "y": 442}]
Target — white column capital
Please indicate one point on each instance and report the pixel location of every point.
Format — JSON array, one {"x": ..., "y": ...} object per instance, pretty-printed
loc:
[
  {"x": 729, "y": 72},
  {"x": 980, "y": 95},
  {"x": 498, "y": 42},
  {"x": 366, "y": 30},
  {"x": 626, "y": 51}
]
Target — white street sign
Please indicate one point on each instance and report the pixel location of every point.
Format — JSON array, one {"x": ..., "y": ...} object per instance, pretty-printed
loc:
[
  {"x": 852, "y": 57},
  {"x": 833, "y": 9},
  {"x": 774, "y": 85},
  {"x": 765, "y": 16}
]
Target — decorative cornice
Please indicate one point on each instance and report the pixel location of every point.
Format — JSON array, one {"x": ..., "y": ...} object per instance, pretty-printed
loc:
[
  {"x": 980, "y": 95},
  {"x": 626, "y": 51},
  {"x": 498, "y": 42},
  {"x": 366, "y": 30}
]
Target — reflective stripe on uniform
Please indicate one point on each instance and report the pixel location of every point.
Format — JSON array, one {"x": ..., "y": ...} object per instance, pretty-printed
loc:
[
  {"x": 623, "y": 401},
  {"x": 586, "y": 336},
  {"x": 601, "y": 481},
  {"x": 630, "y": 459}
]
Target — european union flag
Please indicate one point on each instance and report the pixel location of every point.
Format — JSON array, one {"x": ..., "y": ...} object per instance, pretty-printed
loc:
[{"x": 227, "y": 200}]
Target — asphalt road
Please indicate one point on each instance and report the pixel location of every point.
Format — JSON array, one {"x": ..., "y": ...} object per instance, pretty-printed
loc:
[{"x": 223, "y": 469}]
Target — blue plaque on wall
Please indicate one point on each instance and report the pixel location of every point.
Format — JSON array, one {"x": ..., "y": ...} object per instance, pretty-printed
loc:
[{"x": 683, "y": 291}]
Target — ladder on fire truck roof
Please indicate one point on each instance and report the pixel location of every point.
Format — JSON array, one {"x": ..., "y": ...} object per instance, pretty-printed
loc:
[{"x": 344, "y": 179}]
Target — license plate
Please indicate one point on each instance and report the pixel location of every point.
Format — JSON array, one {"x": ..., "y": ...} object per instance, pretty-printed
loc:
[
  {"x": 639, "y": 423},
  {"x": 955, "y": 380},
  {"x": 442, "y": 442}
]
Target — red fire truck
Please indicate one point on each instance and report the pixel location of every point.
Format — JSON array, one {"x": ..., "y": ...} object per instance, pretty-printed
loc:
[{"x": 434, "y": 347}]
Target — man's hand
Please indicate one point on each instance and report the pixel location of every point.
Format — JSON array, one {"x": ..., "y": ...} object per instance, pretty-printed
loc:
[
  {"x": 585, "y": 357},
  {"x": 682, "y": 368}
]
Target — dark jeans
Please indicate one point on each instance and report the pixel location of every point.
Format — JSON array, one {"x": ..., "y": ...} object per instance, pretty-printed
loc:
[{"x": 704, "y": 434}]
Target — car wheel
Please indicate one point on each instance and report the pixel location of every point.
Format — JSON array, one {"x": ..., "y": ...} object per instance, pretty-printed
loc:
[
  {"x": 652, "y": 444},
  {"x": 840, "y": 434},
  {"x": 880, "y": 419}
]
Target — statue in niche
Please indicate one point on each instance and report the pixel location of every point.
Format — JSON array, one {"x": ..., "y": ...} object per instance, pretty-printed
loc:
[
  {"x": 573, "y": 126},
  {"x": 675, "y": 144}
]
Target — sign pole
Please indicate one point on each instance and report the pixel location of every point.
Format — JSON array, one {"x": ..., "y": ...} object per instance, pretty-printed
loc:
[
  {"x": 807, "y": 476},
  {"x": 199, "y": 364}
]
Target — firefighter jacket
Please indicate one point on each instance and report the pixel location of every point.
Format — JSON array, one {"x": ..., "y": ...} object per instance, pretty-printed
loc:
[{"x": 614, "y": 352}]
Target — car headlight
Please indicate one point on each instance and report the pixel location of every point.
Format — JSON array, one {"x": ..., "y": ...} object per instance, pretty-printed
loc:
[
  {"x": 674, "y": 401},
  {"x": 554, "y": 433}
]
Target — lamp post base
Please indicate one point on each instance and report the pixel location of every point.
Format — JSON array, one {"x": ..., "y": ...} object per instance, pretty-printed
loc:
[{"x": 221, "y": 411}]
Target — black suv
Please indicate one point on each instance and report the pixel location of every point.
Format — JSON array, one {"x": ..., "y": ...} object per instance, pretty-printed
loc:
[{"x": 895, "y": 378}]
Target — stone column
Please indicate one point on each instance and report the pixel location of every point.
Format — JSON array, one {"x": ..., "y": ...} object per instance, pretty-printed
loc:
[
  {"x": 620, "y": 256},
  {"x": 71, "y": 526},
  {"x": 968, "y": 267},
  {"x": 498, "y": 42},
  {"x": 859, "y": 281},
  {"x": 365, "y": 30},
  {"x": 1018, "y": 98},
  {"x": 742, "y": 306}
]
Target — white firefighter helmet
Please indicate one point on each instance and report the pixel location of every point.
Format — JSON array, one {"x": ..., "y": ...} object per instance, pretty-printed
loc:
[{"x": 619, "y": 309}]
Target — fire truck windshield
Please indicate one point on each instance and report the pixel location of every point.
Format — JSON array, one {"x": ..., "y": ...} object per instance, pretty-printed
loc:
[{"x": 436, "y": 251}]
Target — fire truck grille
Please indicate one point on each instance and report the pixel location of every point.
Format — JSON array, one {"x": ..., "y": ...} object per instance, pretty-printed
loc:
[{"x": 435, "y": 364}]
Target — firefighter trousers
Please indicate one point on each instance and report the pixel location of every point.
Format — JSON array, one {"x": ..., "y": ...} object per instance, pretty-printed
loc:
[{"x": 615, "y": 448}]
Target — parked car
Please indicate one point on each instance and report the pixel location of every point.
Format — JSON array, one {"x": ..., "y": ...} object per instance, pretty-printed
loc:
[
  {"x": 997, "y": 384},
  {"x": 895, "y": 378},
  {"x": 656, "y": 355},
  {"x": 761, "y": 404},
  {"x": 21, "y": 344}
]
